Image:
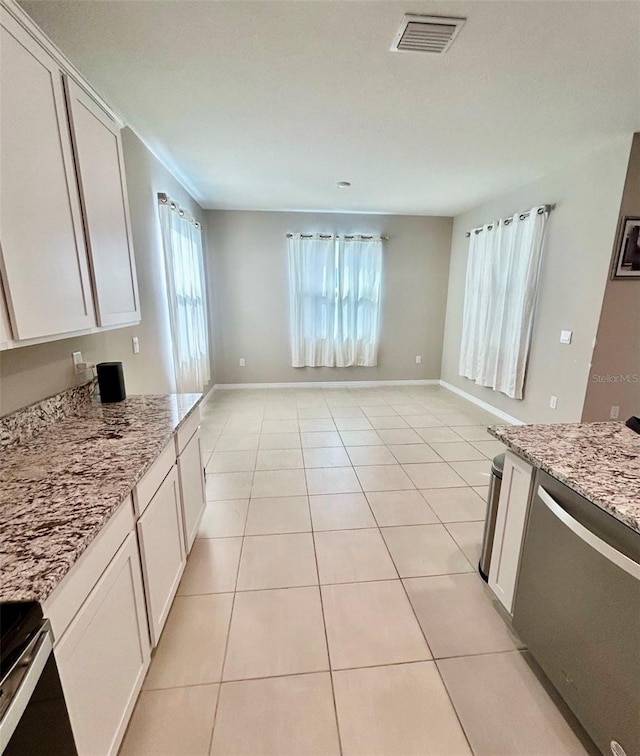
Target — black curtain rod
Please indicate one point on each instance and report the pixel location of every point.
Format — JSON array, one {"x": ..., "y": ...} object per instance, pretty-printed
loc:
[{"x": 541, "y": 211}]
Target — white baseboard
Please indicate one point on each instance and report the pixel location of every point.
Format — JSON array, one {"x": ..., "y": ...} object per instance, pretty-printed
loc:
[
  {"x": 301, "y": 385},
  {"x": 323, "y": 384},
  {"x": 485, "y": 405}
]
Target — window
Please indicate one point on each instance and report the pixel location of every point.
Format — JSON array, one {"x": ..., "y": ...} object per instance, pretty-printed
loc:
[
  {"x": 182, "y": 242},
  {"x": 499, "y": 300},
  {"x": 334, "y": 286}
]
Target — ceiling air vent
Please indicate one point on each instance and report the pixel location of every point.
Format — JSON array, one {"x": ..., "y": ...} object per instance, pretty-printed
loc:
[{"x": 426, "y": 34}]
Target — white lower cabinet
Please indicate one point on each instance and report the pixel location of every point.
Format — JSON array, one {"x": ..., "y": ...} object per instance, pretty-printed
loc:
[
  {"x": 162, "y": 551},
  {"x": 110, "y": 609},
  {"x": 192, "y": 489},
  {"x": 515, "y": 494},
  {"x": 104, "y": 654}
]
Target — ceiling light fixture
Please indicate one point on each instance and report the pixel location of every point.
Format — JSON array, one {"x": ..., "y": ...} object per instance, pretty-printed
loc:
[{"x": 343, "y": 184}]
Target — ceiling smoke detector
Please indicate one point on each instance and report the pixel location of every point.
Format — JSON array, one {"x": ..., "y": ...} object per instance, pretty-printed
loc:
[{"x": 426, "y": 34}]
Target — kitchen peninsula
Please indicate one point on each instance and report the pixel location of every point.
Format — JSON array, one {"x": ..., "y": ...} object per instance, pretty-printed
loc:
[{"x": 566, "y": 566}]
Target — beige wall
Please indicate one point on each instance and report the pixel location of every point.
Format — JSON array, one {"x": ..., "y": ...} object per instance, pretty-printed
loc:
[
  {"x": 573, "y": 278},
  {"x": 617, "y": 351},
  {"x": 29, "y": 374},
  {"x": 251, "y": 299}
]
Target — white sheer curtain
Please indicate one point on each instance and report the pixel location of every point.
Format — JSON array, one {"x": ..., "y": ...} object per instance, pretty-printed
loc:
[
  {"x": 500, "y": 292},
  {"x": 184, "y": 268},
  {"x": 334, "y": 299},
  {"x": 358, "y": 311},
  {"x": 312, "y": 300}
]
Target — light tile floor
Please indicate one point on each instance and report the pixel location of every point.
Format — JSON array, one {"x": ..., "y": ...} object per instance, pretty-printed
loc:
[{"x": 330, "y": 604}]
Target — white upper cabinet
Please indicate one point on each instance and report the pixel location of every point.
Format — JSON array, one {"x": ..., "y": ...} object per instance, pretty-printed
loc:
[
  {"x": 101, "y": 178},
  {"x": 5, "y": 325},
  {"x": 66, "y": 255},
  {"x": 43, "y": 260}
]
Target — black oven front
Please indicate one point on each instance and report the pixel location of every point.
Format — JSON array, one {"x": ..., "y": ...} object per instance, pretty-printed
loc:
[{"x": 33, "y": 715}]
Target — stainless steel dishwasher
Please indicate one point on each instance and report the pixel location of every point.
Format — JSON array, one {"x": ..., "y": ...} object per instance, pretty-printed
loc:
[{"x": 577, "y": 607}]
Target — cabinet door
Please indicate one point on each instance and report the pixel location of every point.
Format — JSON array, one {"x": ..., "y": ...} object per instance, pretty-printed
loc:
[
  {"x": 100, "y": 167},
  {"x": 513, "y": 506},
  {"x": 104, "y": 654},
  {"x": 43, "y": 260},
  {"x": 162, "y": 551},
  {"x": 191, "y": 488}
]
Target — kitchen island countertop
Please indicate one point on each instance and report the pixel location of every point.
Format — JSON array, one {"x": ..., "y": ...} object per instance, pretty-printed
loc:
[
  {"x": 600, "y": 461},
  {"x": 58, "y": 489}
]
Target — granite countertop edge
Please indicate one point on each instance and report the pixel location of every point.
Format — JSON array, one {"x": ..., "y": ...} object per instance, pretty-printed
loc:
[
  {"x": 626, "y": 509},
  {"x": 32, "y": 569}
]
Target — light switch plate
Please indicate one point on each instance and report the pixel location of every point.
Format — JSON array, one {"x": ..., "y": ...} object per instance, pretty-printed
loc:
[
  {"x": 553, "y": 402},
  {"x": 135, "y": 344},
  {"x": 565, "y": 337}
]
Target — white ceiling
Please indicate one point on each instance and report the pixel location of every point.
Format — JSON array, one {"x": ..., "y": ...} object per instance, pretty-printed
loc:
[{"x": 265, "y": 105}]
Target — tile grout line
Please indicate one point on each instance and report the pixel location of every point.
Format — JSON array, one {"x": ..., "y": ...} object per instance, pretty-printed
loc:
[
  {"x": 343, "y": 582},
  {"x": 453, "y": 706},
  {"x": 421, "y": 628},
  {"x": 324, "y": 625},
  {"x": 226, "y": 645},
  {"x": 341, "y": 669},
  {"x": 424, "y": 635}
]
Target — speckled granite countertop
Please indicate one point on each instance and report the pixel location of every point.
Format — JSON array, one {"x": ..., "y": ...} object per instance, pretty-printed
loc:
[
  {"x": 601, "y": 461},
  {"x": 58, "y": 489}
]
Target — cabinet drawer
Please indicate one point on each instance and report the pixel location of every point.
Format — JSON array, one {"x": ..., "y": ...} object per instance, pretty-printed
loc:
[
  {"x": 104, "y": 655},
  {"x": 162, "y": 552},
  {"x": 187, "y": 429},
  {"x": 64, "y": 603},
  {"x": 150, "y": 483}
]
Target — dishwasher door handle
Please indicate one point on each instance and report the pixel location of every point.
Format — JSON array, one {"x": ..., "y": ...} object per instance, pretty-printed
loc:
[
  {"x": 602, "y": 547},
  {"x": 27, "y": 669}
]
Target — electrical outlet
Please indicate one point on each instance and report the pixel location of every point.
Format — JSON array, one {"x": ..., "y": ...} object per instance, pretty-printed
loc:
[
  {"x": 615, "y": 412},
  {"x": 135, "y": 343},
  {"x": 77, "y": 361},
  {"x": 241, "y": 362},
  {"x": 565, "y": 337},
  {"x": 553, "y": 402},
  {"x": 418, "y": 359}
]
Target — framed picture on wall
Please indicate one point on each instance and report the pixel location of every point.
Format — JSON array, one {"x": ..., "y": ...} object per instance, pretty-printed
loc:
[{"x": 627, "y": 261}]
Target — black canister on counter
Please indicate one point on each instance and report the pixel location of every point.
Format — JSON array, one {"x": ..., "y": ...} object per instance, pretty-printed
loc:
[{"x": 111, "y": 381}]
